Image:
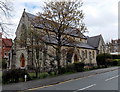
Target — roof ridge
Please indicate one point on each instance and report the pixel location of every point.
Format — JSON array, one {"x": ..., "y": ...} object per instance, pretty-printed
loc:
[{"x": 95, "y": 36}]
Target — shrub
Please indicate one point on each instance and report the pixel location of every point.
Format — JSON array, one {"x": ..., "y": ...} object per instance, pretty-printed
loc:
[
  {"x": 63, "y": 70},
  {"x": 75, "y": 67},
  {"x": 52, "y": 73},
  {"x": 6, "y": 77},
  {"x": 14, "y": 75},
  {"x": 4, "y": 64},
  {"x": 79, "y": 67},
  {"x": 103, "y": 59},
  {"x": 116, "y": 56},
  {"x": 70, "y": 68},
  {"x": 43, "y": 75},
  {"x": 116, "y": 61}
]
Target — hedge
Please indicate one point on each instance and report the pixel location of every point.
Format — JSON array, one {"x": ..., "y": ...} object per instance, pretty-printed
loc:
[
  {"x": 14, "y": 75},
  {"x": 103, "y": 59},
  {"x": 116, "y": 56},
  {"x": 79, "y": 67},
  {"x": 75, "y": 67},
  {"x": 116, "y": 61}
]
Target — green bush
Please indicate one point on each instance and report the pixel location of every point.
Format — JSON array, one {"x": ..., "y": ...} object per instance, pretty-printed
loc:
[
  {"x": 71, "y": 68},
  {"x": 68, "y": 68},
  {"x": 43, "y": 75},
  {"x": 103, "y": 59},
  {"x": 63, "y": 70},
  {"x": 14, "y": 75},
  {"x": 4, "y": 64},
  {"x": 79, "y": 67},
  {"x": 52, "y": 74},
  {"x": 116, "y": 56},
  {"x": 116, "y": 61}
]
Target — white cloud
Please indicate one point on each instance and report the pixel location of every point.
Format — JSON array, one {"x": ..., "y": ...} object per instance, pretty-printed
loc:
[{"x": 101, "y": 17}]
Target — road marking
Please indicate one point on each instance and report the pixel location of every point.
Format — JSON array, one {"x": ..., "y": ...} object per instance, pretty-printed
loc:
[
  {"x": 60, "y": 82},
  {"x": 111, "y": 78},
  {"x": 50, "y": 85},
  {"x": 40, "y": 87},
  {"x": 63, "y": 82},
  {"x": 85, "y": 87}
]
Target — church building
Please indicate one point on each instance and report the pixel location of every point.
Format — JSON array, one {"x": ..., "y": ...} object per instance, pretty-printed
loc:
[{"x": 28, "y": 52}]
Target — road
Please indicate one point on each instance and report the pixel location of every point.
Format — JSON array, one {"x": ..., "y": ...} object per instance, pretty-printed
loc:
[{"x": 105, "y": 81}]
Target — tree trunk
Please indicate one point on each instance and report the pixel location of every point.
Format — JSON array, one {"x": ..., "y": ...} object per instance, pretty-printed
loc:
[
  {"x": 58, "y": 58},
  {"x": 36, "y": 72},
  {"x": 44, "y": 58}
]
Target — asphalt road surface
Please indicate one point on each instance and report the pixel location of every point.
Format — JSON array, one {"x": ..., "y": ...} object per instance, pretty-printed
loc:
[{"x": 105, "y": 81}]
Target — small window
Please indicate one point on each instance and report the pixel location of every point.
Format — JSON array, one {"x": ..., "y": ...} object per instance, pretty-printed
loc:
[
  {"x": 86, "y": 53},
  {"x": 90, "y": 56},
  {"x": 82, "y": 53},
  {"x": 93, "y": 54}
]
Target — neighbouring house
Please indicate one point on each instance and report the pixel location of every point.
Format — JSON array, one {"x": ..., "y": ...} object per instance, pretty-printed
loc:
[
  {"x": 6, "y": 47},
  {"x": 98, "y": 43},
  {"x": 113, "y": 46},
  {"x": 26, "y": 55}
]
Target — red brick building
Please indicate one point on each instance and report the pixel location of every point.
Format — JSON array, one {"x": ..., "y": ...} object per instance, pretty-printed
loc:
[{"x": 6, "y": 46}]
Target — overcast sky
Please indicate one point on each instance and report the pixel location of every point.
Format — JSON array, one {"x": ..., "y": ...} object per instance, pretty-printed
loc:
[{"x": 101, "y": 16}]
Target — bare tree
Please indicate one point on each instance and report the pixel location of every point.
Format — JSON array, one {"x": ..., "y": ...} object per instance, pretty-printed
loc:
[
  {"x": 37, "y": 49},
  {"x": 61, "y": 21},
  {"x": 5, "y": 9}
]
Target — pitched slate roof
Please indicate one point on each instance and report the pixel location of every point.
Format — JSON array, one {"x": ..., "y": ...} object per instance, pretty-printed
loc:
[
  {"x": 52, "y": 40},
  {"x": 85, "y": 45},
  {"x": 80, "y": 45},
  {"x": 94, "y": 41},
  {"x": 69, "y": 31},
  {"x": 30, "y": 16}
]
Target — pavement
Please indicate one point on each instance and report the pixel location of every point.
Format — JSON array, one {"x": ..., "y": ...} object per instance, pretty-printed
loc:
[{"x": 52, "y": 81}]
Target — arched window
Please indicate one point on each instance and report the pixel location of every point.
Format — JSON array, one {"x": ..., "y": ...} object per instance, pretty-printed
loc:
[
  {"x": 90, "y": 56},
  {"x": 93, "y": 54},
  {"x": 22, "y": 60},
  {"x": 83, "y": 54},
  {"x": 69, "y": 55},
  {"x": 86, "y": 53},
  {"x": 76, "y": 58}
]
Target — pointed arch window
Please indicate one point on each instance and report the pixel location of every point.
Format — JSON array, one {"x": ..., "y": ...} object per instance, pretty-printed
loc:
[{"x": 22, "y": 60}]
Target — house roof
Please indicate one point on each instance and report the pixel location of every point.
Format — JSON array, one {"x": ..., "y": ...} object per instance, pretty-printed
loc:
[
  {"x": 52, "y": 40},
  {"x": 70, "y": 31},
  {"x": 7, "y": 42},
  {"x": 80, "y": 45},
  {"x": 85, "y": 45},
  {"x": 94, "y": 41}
]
